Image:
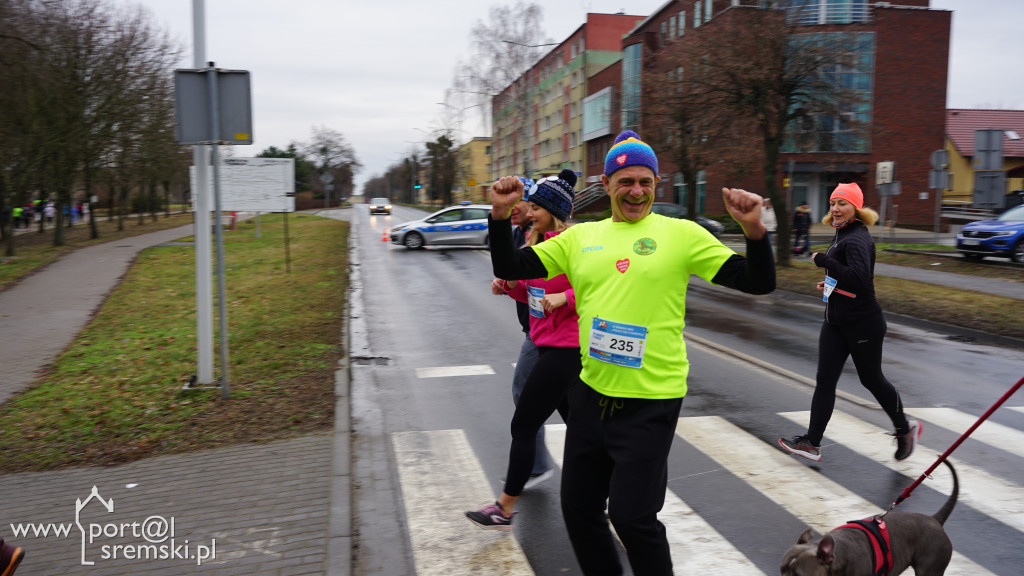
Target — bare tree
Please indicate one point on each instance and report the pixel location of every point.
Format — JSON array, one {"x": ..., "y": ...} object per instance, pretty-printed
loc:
[
  {"x": 503, "y": 49},
  {"x": 772, "y": 82},
  {"x": 332, "y": 155}
]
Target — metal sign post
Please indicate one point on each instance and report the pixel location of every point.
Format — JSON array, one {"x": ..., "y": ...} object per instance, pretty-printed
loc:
[{"x": 200, "y": 96}]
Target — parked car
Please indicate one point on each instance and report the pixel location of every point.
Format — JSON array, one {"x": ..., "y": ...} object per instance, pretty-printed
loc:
[
  {"x": 1001, "y": 236},
  {"x": 380, "y": 205},
  {"x": 673, "y": 210},
  {"x": 464, "y": 225}
]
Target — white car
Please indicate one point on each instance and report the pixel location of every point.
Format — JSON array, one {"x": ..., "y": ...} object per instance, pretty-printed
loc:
[
  {"x": 380, "y": 205},
  {"x": 463, "y": 225}
]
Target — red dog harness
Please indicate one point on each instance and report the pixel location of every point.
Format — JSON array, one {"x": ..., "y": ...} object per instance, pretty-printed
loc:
[{"x": 878, "y": 535}]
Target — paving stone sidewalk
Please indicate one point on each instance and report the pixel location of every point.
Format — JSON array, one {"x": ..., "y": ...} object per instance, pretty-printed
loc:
[{"x": 275, "y": 509}]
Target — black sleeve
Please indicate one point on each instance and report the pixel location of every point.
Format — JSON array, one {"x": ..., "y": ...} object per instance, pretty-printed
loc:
[
  {"x": 754, "y": 274},
  {"x": 508, "y": 262},
  {"x": 855, "y": 275}
]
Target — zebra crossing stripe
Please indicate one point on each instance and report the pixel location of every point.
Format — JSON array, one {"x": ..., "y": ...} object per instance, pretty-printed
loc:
[
  {"x": 441, "y": 478},
  {"x": 991, "y": 433},
  {"x": 811, "y": 497},
  {"x": 982, "y": 491},
  {"x": 697, "y": 548},
  {"x": 450, "y": 371}
]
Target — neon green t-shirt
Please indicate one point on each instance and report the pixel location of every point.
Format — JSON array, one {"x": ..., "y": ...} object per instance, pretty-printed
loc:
[{"x": 630, "y": 284}]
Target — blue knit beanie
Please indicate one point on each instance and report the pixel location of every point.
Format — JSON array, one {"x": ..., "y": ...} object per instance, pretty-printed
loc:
[
  {"x": 628, "y": 150},
  {"x": 528, "y": 185},
  {"x": 555, "y": 194}
]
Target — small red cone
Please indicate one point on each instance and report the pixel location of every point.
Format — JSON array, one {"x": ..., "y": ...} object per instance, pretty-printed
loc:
[{"x": 384, "y": 236}]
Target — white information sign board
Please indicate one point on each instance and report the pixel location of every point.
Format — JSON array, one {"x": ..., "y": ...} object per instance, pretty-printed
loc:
[
  {"x": 884, "y": 172},
  {"x": 255, "y": 184}
]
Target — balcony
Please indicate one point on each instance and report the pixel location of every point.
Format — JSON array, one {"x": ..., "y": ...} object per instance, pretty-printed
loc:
[{"x": 815, "y": 12}]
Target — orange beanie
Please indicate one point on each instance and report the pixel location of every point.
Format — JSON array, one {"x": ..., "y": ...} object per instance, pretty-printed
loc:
[{"x": 851, "y": 193}]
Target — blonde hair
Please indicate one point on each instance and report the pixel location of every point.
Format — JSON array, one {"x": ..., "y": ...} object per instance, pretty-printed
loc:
[
  {"x": 865, "y": 215},
  {"x": 536, "y": 237}
]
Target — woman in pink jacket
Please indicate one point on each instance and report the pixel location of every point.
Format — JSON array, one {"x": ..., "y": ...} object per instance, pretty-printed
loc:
[{"x": 554, "y": 328}]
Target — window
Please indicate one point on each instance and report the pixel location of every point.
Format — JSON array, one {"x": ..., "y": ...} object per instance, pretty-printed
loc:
[
  {"x": 672, "y": 27},
  {"x": 679, "y": 78},
  {"x": 851, "y": 74},
  {"x": 707, "y": 10},
  {"x": 631, "y": 86},
  {"x": 811, "y": 12},
  {"x": 663, "y": 27},
  {"x": 696, "y": 14},
  {"x": 682, "y": 22}
]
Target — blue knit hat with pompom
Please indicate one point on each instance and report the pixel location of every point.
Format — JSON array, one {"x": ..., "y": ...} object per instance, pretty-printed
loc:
[
  {"x": 555, "y": 194},
  {"x": 629, "y": 150}
]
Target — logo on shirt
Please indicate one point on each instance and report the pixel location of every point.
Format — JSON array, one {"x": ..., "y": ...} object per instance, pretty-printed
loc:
[
  {"x": 645, "y": 246},
  {"x": 586, "y": 249},
  {"x": 622, "y": 265}
]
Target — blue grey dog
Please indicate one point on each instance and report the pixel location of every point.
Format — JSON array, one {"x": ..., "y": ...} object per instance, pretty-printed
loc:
[{"x": 916, "y": 540}]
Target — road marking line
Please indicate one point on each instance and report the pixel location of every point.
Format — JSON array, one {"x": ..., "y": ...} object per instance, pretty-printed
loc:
[
  {"x": 991, "y": 433},
  {"x": 808, "y": 495},
  {"x": 1017, "y": 408},
  {"x": 697, "y": 548},
  {"x": 441, "y": 478},
  {"x": 982, "y": 491},
  {"x": 450, "y": 371}
]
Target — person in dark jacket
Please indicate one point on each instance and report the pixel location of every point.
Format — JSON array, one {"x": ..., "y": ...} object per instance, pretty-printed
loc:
[
  {"x": 854, "y": 326},
  {"x": 802, "y": 230}
]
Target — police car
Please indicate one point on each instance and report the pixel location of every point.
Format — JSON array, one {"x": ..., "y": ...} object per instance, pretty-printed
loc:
[{"x": 462, "y": 225}]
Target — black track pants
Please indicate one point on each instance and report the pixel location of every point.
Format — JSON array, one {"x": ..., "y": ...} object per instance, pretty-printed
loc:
[{"x": 862, "y": 341}]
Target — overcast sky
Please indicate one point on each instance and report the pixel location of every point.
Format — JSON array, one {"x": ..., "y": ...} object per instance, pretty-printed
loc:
[{"x": 375, "y": 70}]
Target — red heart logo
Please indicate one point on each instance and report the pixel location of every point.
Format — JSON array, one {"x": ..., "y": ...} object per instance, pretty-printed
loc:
[
  {"x": 622, "y": 265},
  {"x": 621, "y": 160}
]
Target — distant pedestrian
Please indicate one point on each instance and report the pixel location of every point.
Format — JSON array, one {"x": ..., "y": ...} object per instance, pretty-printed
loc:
[
  {"x": 854, "y": 326},
  {"x": 17, "y": 217},
  {"x": 802, "y": 230},
  {"x": 49, "y": 212},
  {"x": 769, "y": 220},
  {"x": 554, "y": 327}
]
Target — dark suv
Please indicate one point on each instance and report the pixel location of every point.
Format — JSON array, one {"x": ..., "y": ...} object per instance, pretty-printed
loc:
[{"x": 1001, "y": 236}]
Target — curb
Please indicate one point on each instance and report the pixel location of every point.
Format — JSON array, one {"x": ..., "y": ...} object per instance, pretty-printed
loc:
[{"x": 340, "y": 537}]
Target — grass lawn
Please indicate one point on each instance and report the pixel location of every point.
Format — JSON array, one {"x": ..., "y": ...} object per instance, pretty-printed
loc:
[
  {"x": 969, "y": 309},
  {"x": 116, "y": 394}
]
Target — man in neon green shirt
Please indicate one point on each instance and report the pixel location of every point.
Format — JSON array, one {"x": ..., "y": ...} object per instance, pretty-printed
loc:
[{"x": 629, "y": 274}]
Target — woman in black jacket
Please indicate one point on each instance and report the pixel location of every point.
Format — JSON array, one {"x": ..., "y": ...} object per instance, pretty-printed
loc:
[{"x": 854, "y": 326}]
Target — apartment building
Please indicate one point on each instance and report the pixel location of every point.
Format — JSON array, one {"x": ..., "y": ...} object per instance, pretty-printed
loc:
[
  {"x": 538, "y": 119},
  {"x": 473, "y": 173},
  {"x": 897, "y": 58}
]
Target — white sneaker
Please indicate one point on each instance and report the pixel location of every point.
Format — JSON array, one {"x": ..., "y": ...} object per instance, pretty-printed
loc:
[{"x": 538, "y": 478}]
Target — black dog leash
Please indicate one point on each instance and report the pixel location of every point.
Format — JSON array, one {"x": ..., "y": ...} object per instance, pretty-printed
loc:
[{"x": 909, "y": 489}]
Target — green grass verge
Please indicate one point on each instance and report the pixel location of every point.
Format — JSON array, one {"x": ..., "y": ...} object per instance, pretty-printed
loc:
[
  {"x": 965, "y": 308},
  {"x": 33, "y": 250},
  {"x": 116, "y": 394}
]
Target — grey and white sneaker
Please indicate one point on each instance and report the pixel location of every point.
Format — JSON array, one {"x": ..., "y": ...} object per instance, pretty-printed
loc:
[
  {"x": 538, "y": 478},
  {"x": 801, "y": 446},
  {"x": 905, "y": 442}
]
